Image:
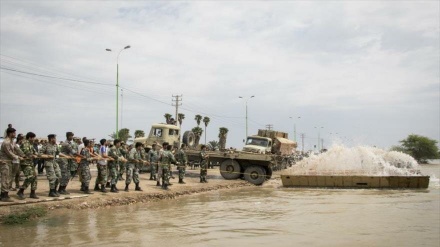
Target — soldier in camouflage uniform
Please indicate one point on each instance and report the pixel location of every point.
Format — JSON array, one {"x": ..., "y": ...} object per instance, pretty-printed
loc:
[
  {"x": 166, "y": 159},
  {"x": 101, "y": 179},
  {"x": 203, "y": 165},
  {"x": 27, "y": 167},
  {"x": 122, "y": 165},
  {"x": 75, "y": 162},
  {"x": 68, "y": 149},
  {"x": 85, "y": 166},
  {"x": 14, "y": 172},
  {"x": 53, "y": 171},
  {"x": 114, "y": 153},
  {"x": 182, "y": 160},
  {"x": 159, "y": 166},
  {"x": 132, "y": 170},
  {"x": 7, "y": 154},
  {"x": 152, "y": 158}
]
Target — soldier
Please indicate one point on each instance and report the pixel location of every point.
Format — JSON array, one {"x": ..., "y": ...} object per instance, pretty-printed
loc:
[
  {"x": 182, "y": 160},
  {"x": 27, "y": 167},
  {"x": 51, "y": 152},
  {"x": 15, "y": 168},
  {"x": 132, "y": 170},
  {"x": 68, "y": 149},
  {"x": 122, "y": 165},
  {"x": 152, "y": 158},
  {"x": 115, "y": 153},
  {"x": 7, "y": 154},
  {"x": 77, "y": 159},
  {"x": 203, "y": 164},
  {"x": 102, "y": 167},
  {"x": 159, "y": 166},
  {"x": 166, "y": 159},
  {"x": 86, "y": 159}
]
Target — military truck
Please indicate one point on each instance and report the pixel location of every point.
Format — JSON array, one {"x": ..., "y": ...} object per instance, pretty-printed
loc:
[{"x": 255, "y": 163}]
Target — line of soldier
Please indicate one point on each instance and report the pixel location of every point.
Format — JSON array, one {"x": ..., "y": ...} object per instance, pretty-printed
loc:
[{"x": 111, "y": 163}]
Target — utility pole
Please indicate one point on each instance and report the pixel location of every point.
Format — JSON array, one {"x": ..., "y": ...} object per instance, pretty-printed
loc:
[
  {"x": 246, "y": 100},
  {"x": 269, "y": 126},
  {"x": 178, "y": 98},
  {"x": 122, "y": 105},
  {"x": 322, "y": 143},
  {"x": 302, "y": 142}
]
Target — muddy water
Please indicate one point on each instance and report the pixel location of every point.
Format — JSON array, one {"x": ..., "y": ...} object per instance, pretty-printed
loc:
[{"x": 258, "y": 216}]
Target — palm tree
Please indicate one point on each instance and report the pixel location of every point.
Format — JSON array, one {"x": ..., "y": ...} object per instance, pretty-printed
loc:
[
  {"x": 167, "y": 117},
  {"x": 213, "y": 145},
  {"x": 180, "y": 118},
  {"x": 198, "y": 119},
  {"x": 223, "y": 132},
  {"x": 139, "y": 133},
  {"x": 206, "y": 120},
  {"x": 197, "y": 133}
]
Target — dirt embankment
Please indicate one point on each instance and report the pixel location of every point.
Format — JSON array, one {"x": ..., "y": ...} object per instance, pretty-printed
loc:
[{"x": 150, "y": 193}]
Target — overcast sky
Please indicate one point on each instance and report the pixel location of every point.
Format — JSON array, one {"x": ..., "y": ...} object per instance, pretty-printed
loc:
[{"x": 367, "y": 70}]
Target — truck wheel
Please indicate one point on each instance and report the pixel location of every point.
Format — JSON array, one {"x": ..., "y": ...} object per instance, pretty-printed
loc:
[
  {"x": 255, "y": 175},
  {"x": 189, "y": 139},
  {"x": 268, "y": 173},
  {"x": 230, "y": 169}
]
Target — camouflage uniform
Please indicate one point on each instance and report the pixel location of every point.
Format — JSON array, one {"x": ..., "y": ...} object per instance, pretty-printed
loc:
[
  {"x": 114, "y": 153},
  {"x": 203, "y": 166},
  {"x": 183, "y": 160},
  {"x": 69, "y": 149},
  {"x": 53, "y": 172},
  {"x": 159, "y": 166},
  {"x": 14, "y": 171},
  {"x": 132, "y": 170},
  {"x": 102, "y": 169},
  {"x": 165, "y": 163},
  {"x": 74, "y": 163},
  {"x": 27, "y": 165},
  {"x": 153, "y": 157},
  {"x": 7, "y": 154},
  {"x": 122, "y": 165},
  {"x": 85, "y": 168}
]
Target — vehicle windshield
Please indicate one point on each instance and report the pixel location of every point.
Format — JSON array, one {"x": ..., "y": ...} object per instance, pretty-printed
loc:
[{"x": 256, "y": 142}]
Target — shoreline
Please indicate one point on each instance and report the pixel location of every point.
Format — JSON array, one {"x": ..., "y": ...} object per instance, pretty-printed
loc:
[{"x": 151, "y": 193}]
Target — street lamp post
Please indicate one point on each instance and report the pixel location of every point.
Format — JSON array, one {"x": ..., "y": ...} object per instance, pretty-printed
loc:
[
  {"x": 294, "y": 128},
  {"x": 117, "y": 89},
  {"x": 319, "y": 138},
  {"x": 246, "y": 100}
]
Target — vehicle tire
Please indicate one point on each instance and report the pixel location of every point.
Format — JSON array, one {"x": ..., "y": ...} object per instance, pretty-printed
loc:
[
  {"x": 268, "y": 173},
  {"x": 189, "y": 139},
  {"x": 230, "y": 169},
  {"x": 255, "y": 175}
]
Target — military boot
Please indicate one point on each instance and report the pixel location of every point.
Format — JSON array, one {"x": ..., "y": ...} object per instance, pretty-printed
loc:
[
  {"x": 62, "y": 190},
  {"x": 52, "y": 193},
  {"x": 82, "y": 187},
  {"x": 103, "y": 190},
  {"x": 55, "y": 191},
  {"x": 5, "y": 197},
  {"x": 126, "y": 187},
  {"x": 33, "y": 195},
  {"x": 107, "y": 185},
  {"x": 158, "y": 183},
  {"x": 113, "y": 189},
  {"x": 96, "y": 187},
  {"x": 87, "y": 190},
  {"x": 201, "y": 180},
  {"x": 181, "y": 181},
  {"x": 165, "y": 186},
  {"x": 20, "y": 194},
  {"x": 116, "y": 188},
  {"x": 138, "y": 188}
]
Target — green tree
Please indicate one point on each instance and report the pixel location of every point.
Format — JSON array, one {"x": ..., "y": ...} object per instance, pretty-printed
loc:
[
  {"x": 222, "y": 135},
  {"x": 197, "y": 133},
  {"x": 213, "y": 145},
  {"x": 420, "y": 148},
  {"x": 398, "y": 149},
  {"x": 198, "y": 119},
  {"x": 124, "y": 134},
  {"x": 167, "y": 117},
  {"x": 180, "y": 118},
  {"x": 206, "y": 121},
  {"x": 139, "y": 133}
]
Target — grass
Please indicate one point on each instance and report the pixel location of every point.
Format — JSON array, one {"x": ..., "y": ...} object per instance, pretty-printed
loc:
[{"x": 23, "y": 216}]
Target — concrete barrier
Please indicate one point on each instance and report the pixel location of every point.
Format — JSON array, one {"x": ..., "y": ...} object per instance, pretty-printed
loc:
[{"x": 376, "y": 182}]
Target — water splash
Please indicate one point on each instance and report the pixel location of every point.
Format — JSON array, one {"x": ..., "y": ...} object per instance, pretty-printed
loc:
[
  {"x": 360, "y": 160},
  {"x": 434, "y": 181}
]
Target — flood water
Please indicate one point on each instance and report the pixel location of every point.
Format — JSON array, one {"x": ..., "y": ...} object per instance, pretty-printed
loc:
[{"x": 257, "y": 216}]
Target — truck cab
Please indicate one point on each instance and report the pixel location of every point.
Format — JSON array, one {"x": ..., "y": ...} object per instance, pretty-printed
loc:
[
  {"x": 161, "y": 133},
  {"x": 258, "y": 144}
]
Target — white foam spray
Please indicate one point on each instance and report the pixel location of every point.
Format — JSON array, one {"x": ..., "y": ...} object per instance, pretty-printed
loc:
[{"x": 360, "y": 160}]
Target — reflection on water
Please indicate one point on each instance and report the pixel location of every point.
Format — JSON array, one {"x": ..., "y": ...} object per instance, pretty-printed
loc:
[{"x": 258, "y": 216}]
